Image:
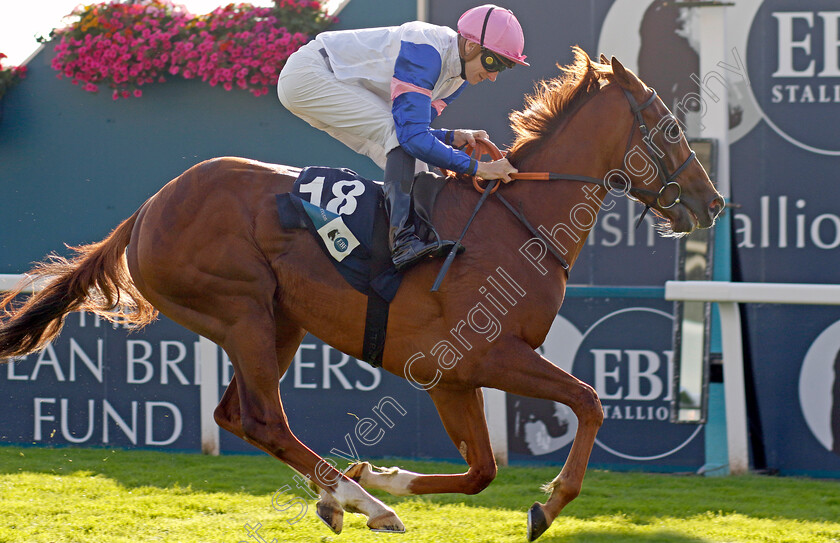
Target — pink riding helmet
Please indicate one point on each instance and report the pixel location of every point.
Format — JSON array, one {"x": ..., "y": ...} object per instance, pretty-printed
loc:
[{"x": 496, "y": 29}]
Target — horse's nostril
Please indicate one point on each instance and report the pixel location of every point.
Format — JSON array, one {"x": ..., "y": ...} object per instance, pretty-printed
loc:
[{"x": 716, "y": 206}]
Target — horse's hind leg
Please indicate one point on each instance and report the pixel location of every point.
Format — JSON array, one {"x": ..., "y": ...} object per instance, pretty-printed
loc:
[
  {"x": 227, "y": 413},
  {"x": 287, "y": 340},
  {"x": 462, "y": 412},
  {"x": 263, "y": 421}
]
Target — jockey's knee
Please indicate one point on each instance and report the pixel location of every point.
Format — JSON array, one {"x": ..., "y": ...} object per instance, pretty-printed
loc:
[{"x": 399, "y": 166}]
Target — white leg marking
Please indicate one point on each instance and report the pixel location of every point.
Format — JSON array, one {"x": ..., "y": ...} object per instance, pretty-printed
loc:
[
  {"x": 394, "y": 481},
  {"x": 354, "y": 499}
]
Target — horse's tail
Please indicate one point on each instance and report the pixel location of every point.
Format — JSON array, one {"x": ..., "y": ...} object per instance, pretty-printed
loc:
[{"x": 96, "y": 279}]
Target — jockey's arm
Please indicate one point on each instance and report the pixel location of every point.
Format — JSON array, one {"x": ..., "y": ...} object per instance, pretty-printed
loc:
[{"x": 416, "y": 70}]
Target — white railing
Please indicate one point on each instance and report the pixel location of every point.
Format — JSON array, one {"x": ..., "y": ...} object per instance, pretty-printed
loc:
[
  {"x": 728, "y": 295},
  {"x": 8, "y": 282}
]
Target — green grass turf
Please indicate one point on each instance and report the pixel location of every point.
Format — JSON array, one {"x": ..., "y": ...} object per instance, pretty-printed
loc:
[{"x": 103, "y": 495}]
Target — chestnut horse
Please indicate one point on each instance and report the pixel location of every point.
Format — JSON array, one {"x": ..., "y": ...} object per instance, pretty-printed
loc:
[{"x": 208, "y": 252}]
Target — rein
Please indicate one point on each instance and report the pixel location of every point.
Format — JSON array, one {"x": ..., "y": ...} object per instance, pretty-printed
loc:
[{"x": 667, "y": 179}]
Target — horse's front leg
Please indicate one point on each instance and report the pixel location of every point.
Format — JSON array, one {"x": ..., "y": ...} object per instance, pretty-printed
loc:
[
  {"x": 461, "y": 410},
  {"x": 514, "y": 367}
]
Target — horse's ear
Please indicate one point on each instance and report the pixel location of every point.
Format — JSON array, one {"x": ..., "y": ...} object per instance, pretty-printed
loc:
[
  {"x": 604, "y": 59},
  {"x": 624, "y": 77}
]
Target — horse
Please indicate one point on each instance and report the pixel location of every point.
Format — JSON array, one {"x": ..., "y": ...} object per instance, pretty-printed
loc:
[{"x": 208, "y": 252}]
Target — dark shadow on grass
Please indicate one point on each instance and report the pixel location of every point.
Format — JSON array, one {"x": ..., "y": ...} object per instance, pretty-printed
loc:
[
  {"x": 639, "y": 497},
  {"x": 254, "y": 474},
  {"x": 599, "y": 536}
]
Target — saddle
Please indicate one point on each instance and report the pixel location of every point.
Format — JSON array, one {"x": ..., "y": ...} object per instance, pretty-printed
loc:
[{"x": 345, "y": 212}]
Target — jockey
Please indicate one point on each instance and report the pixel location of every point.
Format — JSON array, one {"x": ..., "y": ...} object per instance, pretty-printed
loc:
[{"x": 377, "y": 90}]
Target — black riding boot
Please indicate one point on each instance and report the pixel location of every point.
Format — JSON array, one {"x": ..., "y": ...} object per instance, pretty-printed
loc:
[{"x": 406, "y": 248}]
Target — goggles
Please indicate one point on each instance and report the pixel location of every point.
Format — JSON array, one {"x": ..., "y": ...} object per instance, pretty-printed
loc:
[{"x": 493, "y": 62}]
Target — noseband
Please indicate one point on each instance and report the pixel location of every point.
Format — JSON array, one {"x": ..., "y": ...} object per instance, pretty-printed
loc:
[
  {"x": 667, "y": 179},
  {"x": 662, "y": 169}
]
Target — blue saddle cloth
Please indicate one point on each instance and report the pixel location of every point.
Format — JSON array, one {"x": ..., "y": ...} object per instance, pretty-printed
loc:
[{"x": 346, "y": 214}]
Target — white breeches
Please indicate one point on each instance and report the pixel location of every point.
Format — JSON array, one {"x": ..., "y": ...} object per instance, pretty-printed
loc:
[{"x": 350, "y": 113}]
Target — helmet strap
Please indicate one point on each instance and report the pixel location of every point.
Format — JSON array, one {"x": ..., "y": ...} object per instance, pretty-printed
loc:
[
  {"x": 484, "y": 27},
  {"x": 462, "y": 46}
]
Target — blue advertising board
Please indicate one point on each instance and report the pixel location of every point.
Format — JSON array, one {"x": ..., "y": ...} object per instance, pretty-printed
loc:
[
  {"x": 623, "y": 348},
  {"x": 99, "y": 385},
  {"x": 340, "y": 406},
  {"x": 787, "y": 229},
  {"x": 781, "y": 74}
]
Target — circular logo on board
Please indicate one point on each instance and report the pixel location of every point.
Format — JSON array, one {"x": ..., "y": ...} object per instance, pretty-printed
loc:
[
  {"x": 782, "y": 63},
  {"x": 819, "y": 388},
  {"x": 626, "y": 356},
  {"x": 793, "y": 59},
  {"x": 630, "y": 371},
  {"x": 542, "y": 427},
  {"x": 660, "y": 41}
]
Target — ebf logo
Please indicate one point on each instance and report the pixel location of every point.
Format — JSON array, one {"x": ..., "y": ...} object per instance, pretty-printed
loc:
[
  {"x": 626, "y": 355},
  {"x": 791, "y": 51},
  {"x": 793, "y": 59}
]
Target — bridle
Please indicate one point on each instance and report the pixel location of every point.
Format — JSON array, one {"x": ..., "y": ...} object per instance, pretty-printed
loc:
[
  {"x": 662, "y": 169},
  {"x": 666, "y": 178}
]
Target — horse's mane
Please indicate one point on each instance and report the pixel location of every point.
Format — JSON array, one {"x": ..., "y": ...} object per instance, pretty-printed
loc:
[{"x": 554, "y": 100}]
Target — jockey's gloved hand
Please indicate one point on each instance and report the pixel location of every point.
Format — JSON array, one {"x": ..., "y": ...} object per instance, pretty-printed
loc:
[{"x": 497, "y": 169}]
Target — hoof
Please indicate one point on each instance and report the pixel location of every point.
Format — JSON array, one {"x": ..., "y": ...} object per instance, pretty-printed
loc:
[
  {"x": 356, "y": 470},
  {"x": 387, "y": 523},
  {"x": 330, "y": 515},
  {"x": 537, "y": 523}
]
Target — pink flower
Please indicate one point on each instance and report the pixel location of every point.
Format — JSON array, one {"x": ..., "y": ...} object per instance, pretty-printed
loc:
[{"x": 136, "y": 43}]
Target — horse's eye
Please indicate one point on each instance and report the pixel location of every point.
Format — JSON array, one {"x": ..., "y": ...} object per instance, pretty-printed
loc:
[{"x": 672, "y": 130}]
